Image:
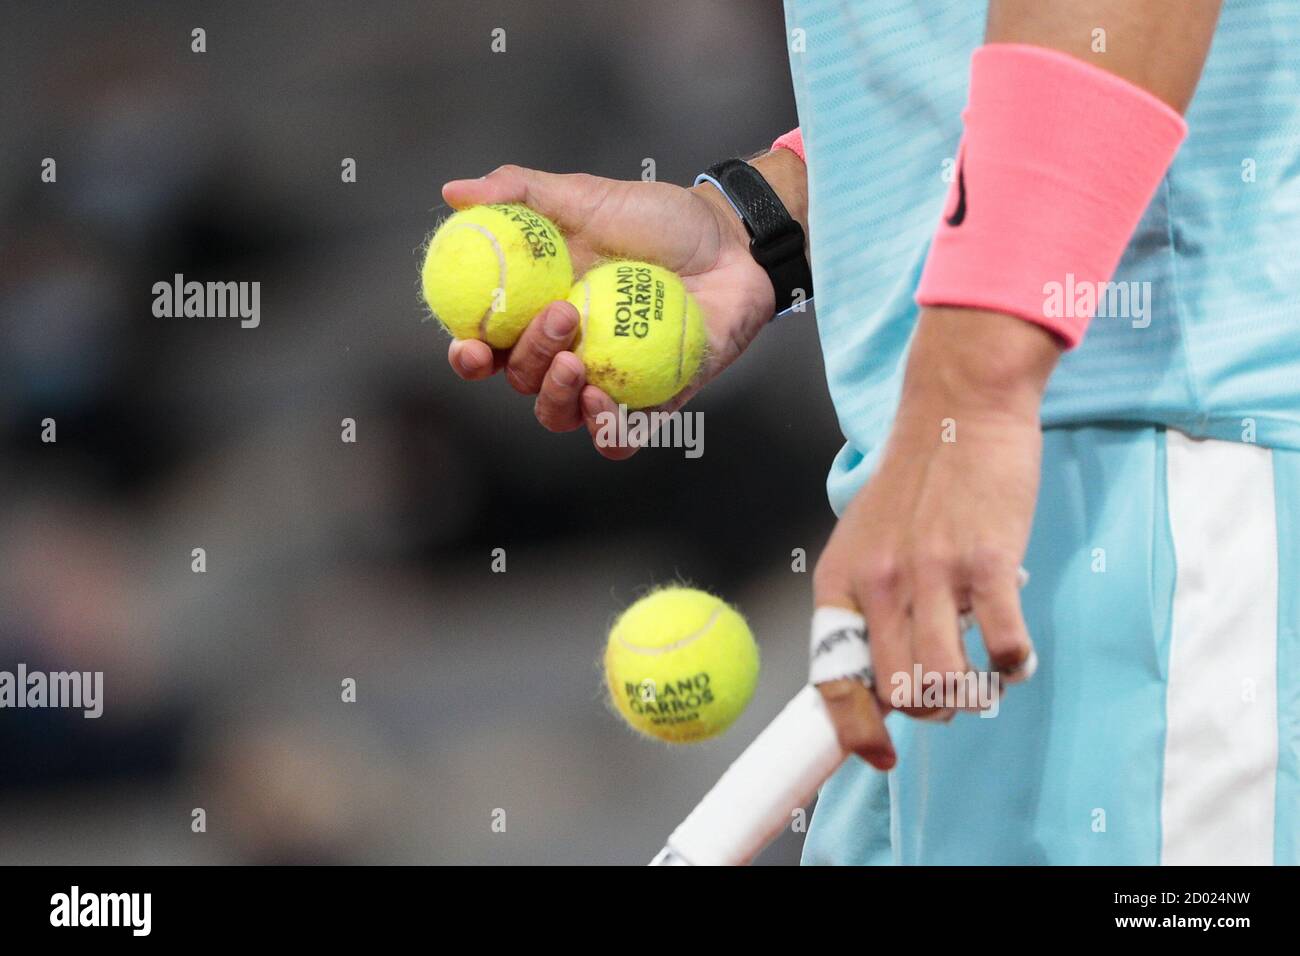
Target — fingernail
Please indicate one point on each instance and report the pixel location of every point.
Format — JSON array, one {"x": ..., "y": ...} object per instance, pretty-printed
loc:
[
  {"x": 591, "y": 406},
  {"x": 565, "y": 375},
  {"x": 559, "y": 323}
]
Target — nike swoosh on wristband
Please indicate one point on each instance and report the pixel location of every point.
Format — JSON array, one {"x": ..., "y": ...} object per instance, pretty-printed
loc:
[{"x": 959, "y": 214}]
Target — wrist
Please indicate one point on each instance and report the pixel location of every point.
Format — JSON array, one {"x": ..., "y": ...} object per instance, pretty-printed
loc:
[
  {"x": 786, "y": 173},
  {"x": 731, "y": 226},
  {"x": 987, "y": 359}
]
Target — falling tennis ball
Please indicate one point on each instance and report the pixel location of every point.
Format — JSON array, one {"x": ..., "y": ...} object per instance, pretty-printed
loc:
[
  {"x": 681, "y": 665},
  {"x": 641, "y": 337},
  {"x": 490, "y": 269}
]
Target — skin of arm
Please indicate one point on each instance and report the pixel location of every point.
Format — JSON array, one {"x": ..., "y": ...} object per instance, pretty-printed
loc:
[{"x": 943, "y": 526}]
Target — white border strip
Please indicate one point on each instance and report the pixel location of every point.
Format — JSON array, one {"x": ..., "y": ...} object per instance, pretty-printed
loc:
[{"x": 1220, "y": 771}]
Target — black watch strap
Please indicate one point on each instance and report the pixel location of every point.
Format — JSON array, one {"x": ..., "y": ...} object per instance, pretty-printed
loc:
[{"x": 776, "y": 240}]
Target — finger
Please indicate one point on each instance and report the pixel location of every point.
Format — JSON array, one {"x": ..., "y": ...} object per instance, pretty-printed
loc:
[
  {"x": 546, "y": 336},
  {"x": 889, "y": 633},
  {"x": 874, "y": 585},
  {"x": 852, "y": 706},
  {"x": 995, "y": 600},
  {"x": 858, "y": 722},
  {"x": 601, "y": 416},
  {"x": 505, "y": 184},
  {"x": 558, "y": 405},
  {"x": 566, "y": 198},
  {"x": 472, "y": 359},
  {"x": 936, "y": 643}
]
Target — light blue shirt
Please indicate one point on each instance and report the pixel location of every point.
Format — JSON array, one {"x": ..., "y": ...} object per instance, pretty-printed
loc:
[{"x": 1214, "y": 347}]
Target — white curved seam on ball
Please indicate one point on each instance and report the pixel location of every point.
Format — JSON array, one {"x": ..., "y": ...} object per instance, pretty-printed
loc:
[
  {"x": 681, "y": 345},
  {"x": 586, "y": 314},
  {"x": 677, "y": 644},
  {"x": 501, "y": 273}
]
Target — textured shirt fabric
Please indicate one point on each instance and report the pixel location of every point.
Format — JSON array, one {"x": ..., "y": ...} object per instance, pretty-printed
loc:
[{"x": 1209, "y": 341}]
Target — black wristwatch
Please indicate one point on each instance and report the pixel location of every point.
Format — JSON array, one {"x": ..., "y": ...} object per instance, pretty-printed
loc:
[{"x": 776, "y": 240}]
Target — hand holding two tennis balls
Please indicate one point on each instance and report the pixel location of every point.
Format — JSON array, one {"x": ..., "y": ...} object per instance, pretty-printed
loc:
[
  {"x": 578, "y": 367},
  {"x": 490, "y": 269}
]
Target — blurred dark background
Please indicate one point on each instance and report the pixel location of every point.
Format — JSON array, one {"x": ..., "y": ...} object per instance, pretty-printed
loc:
[{"x": 372, "y": 561}]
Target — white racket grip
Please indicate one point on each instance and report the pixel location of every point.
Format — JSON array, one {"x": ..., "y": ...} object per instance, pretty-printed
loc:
[{"x": 752, "y": 802}]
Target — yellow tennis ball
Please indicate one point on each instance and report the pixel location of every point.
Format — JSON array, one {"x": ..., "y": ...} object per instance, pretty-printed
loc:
[
  {"x": 641, "y": 337},
  {"x": 489, "y": 269},
  {"x": 681, "y": 665}
]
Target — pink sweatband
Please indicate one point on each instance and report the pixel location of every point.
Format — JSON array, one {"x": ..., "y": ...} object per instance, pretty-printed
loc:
[
  {"x": 1058, "y": 162},
  {"x": 793, "y": 141}
]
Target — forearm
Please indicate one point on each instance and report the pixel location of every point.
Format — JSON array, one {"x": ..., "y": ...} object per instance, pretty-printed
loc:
[
  {"x": 979, "y": 361},
  {"x": 1159, "y": 46}
]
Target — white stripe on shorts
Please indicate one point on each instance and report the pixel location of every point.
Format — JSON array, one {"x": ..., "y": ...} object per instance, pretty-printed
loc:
[{"x": 1221, "y": 742}]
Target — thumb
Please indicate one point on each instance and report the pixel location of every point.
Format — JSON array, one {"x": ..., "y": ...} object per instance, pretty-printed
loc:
[
  {"x": 565, "y": 199},
  {"x": 504, "y": 184}
]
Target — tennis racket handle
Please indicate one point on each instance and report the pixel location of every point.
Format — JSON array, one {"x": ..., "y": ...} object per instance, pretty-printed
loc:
[{"x": 753, "y": 801}]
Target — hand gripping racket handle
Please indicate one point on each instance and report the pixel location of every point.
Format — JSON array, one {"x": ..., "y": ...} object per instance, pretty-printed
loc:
[
  {"x": 778, "y": 772},
  {"x": 752, "y": 802}
]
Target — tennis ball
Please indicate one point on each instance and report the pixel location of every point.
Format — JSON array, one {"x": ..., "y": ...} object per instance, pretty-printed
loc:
[
  {"x": 641, "y": 337},
  {"x": 490, "y": 269},
  {"x": 680, "y": 665}
]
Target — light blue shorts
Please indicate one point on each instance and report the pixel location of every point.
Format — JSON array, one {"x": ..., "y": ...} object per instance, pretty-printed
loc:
[{"x": 1163, "y": 725}]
